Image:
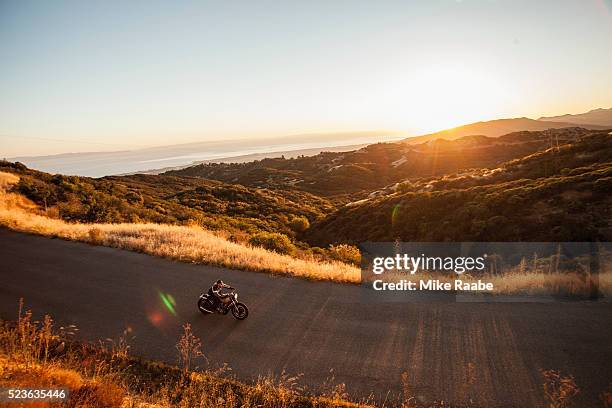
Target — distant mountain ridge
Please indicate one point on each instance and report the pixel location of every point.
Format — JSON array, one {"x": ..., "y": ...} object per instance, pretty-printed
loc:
[
  {"x": 378, "y": 165},
  {"x": 498, "y": 127},
  {"x": 155, "y": 160},
  {"x": 600, "y": 117}
]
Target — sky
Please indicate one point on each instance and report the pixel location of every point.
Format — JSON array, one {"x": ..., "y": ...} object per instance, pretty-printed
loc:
[{"x": 96, "y": 76}]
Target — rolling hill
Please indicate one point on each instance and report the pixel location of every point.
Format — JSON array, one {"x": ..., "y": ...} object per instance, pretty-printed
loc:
[
  {"x": 240, "y": 211},
  {"x": 560, "y": 194},
  {"x": 349, "y": 175}
]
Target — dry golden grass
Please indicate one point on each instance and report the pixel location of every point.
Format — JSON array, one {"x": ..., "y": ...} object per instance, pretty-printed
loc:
[
  {"x": 559, "y": 390},
  {"x": 560, "y": 284},
  {"x": 184, "y": 243},
  {"x": 525, "y": 283},
  {"x": 84, "y": 392},
  {"x": 7, "y": 180}
]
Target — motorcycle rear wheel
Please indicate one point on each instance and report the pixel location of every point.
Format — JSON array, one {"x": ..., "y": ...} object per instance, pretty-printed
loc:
[{"x": 240, "y": 311}]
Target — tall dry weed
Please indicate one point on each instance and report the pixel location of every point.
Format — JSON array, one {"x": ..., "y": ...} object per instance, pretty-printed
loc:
[
  {"x": 189, "y": 349},
  {"x": 559, "y": 390}
]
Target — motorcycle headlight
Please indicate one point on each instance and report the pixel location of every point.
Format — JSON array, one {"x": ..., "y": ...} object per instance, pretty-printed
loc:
[{"x": 236, "y": 296}]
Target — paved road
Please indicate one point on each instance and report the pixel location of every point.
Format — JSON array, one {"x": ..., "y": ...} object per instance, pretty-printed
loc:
[{"x": 488, "y": 352}]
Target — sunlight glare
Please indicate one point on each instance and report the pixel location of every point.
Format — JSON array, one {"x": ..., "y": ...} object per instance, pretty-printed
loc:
[{"x": 448, "y": 95}]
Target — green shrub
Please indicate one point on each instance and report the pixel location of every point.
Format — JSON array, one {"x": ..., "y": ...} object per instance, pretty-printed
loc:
[
  {"x": 299, "y": 224},
  {"x": 274, "y": 242}
]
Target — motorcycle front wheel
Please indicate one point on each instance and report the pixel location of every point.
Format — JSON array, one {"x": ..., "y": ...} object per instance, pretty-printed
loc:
[{"x": 240, "y": 311}]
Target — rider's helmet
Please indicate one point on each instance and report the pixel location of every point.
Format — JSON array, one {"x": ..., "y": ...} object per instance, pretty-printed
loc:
[{"x": 218, "y": 283}]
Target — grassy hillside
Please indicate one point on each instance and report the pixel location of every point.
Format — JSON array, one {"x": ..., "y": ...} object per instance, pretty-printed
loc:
[
  {"x": 190, "y": 244},
  {"x": 561, "y": 194},
  {"x": 346, "y": 176},
  {"x": 238, "y": 210}
]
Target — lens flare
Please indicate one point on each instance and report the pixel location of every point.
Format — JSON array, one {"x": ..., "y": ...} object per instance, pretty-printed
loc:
[
  {"x": 155, "y": 318},
  {"x": 168, "y": 301}
]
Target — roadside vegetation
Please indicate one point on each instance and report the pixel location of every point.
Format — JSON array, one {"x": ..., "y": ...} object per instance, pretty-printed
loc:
[
  {"x": 105, "y": 375},
  {"x": 238, "y": 213},
  {"x": 183, "y": 243},
  {"x": 542, "y": 280}
]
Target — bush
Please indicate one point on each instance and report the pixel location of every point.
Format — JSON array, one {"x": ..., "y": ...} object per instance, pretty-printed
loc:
[
  {"x": 134, "y": 198},
  {"x": 345, "y": 253},
  {"x": 274, "y": 242},
  {"x": 299, "y": 224},
  {"x": 37, "y": 191}
]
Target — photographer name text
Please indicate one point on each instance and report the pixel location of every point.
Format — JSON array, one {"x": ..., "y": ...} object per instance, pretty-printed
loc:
[{"x": 433, "y": 285}]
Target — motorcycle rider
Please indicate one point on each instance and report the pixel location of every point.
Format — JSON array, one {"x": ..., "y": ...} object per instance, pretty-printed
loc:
[{"x": 215, "y": 292}]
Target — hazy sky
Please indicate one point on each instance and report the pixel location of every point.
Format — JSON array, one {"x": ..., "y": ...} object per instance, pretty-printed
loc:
[{"x": 87, "y": 76}]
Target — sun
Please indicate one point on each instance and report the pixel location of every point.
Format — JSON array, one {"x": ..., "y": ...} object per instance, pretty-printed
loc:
[{"x": 448, "y": 95}]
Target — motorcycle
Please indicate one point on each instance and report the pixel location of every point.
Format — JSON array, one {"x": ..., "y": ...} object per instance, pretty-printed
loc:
[{"x": 239, "y": 310}]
